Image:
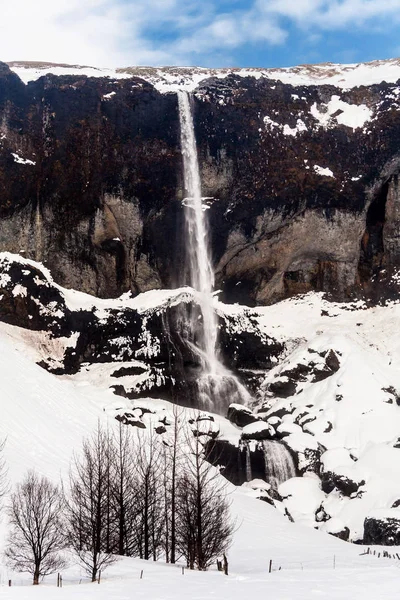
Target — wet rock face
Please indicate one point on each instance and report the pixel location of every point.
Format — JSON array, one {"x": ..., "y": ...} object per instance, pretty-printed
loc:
[
  {"x": 84, "y": 178},
  {"x": 91, "y": 183}
]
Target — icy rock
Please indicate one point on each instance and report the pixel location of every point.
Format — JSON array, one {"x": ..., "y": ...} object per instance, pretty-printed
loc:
[
  {"x": 240, "y": 415},
  {"x": 347, "y": 484},
  {"x": 129, "y": 418},
  {"x": 302, "y": 496},
  {"x": 259, "y": 430},
  {"x": 229, "y": 458},
  {"x": 282, "y": 388},
  {"x": 382, "y": 527},
  {"x": 336, "y": 528}
]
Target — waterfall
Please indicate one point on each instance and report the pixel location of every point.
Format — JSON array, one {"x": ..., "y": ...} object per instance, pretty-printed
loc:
[
  {"x": 38, "y": 233},
  {"x": 200, "y": 268},
  {"x": 249, "y": 474},
  {"x": 279, "y": 464},
  {"x": 217, "y": 387}
]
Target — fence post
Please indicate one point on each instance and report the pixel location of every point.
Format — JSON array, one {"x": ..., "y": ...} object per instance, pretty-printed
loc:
[
  {"x": 270, "y": 567},
  {"x": 141, "y": 574},
  {"x": 60, "y": 581},
  {"x": 334, "y": 561},
  {"x": 225, "y": 565},
  {"x": 98, "y": 581},
  {"x": 183, "y": 570},
  {"x": 9, "y": 583}
]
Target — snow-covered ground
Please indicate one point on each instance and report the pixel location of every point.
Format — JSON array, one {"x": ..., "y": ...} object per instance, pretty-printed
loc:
[
  {"x": 167, "y": 79},
  {"x": 45, "y": 417}
]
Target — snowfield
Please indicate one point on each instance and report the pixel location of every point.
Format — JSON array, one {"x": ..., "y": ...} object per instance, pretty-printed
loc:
[
  {"x": 45, "y": 417},
  {"x": 171, "y": 79}
]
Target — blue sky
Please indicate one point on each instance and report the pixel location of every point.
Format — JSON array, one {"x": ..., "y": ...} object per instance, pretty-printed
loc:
[{"x": 263, "y": 33}]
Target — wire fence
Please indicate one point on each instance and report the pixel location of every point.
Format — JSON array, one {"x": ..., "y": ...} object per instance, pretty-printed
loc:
[
  {"x": 271, "y": 565},
  {"x": 338, "y": 562}
]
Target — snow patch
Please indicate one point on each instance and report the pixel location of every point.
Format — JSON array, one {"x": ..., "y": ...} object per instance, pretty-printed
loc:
[
  {"x": 337, "y": 112},
  {"x": 324, "y": 172},
  {"x": 22, "y": 161}
]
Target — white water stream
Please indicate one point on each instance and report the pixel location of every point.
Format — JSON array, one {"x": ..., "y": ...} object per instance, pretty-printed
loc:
[
  {"x": 279, "y": 464},
  {"x": 217, "y": 386},
  {"x": 200, "y": 268}
]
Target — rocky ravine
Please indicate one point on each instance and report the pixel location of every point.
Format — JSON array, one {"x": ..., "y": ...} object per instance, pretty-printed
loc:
[{"x": 302, "y": 181}]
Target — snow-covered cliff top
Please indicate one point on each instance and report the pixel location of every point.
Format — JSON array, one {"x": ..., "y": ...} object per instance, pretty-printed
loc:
[{"x": 172, "y": 78}]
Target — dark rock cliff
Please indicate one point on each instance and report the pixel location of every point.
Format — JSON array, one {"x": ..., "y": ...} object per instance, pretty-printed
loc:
[{"x": 304, "y": 196}]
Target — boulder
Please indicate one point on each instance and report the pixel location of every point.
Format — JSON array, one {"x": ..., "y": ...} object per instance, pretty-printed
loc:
[
  {"x": 382, "y": 527},
  {"x": 259, "y": 430},
  {"x": 241, "y": 415},
  {"x": 344, "y": 483},
  {"x": 282, "y": 388}
]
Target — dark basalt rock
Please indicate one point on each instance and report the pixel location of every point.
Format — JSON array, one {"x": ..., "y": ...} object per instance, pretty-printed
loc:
[
  {"x": 241, "y": 415},
  {"x": 128, "y": 418},
  {"x": 230, "y": 459},
  {"x": 330, "y": 367},
  {"x": 29, "y": 298},
  {"x": 348, "y": 487},
  {"x": 311, "y": 461},
  {"x": 265, "y": 432},
  {"x": 282, "y": 389},
  {"x": 344, "y": 534},
  {"x": 394, "y": 393},
  {"x": 160, "y": 429},
  {"x": 383, "y": 531},
  {"x": 100, "y": 203},
  {"x": 126, "y": 371},
  {"x": 332, "y": 361}
]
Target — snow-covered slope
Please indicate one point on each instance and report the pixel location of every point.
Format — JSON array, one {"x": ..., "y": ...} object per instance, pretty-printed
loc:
[
  {"x": 352, "y": 414},
  {"x": 167, "y": 79},
  {"x": 45, "y": 418}
]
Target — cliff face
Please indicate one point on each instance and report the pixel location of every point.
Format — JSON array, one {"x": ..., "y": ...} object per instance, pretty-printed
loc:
[{"x": 302, "y": 181}]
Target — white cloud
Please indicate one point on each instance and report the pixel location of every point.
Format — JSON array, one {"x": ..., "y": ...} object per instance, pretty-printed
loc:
[
  {"x": 232, "y": 31},
  {"x": 332, "y": 14},
  {"x": 96, "y": 32},
  {"x": 123, "y": 32}
]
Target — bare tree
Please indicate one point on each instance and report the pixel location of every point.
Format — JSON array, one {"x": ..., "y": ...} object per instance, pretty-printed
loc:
[
  {"x": 204, "y": 527},
  {"x": 172, "y": 460},
  {"x": 149, "y": 523},
  {"x": 37, "y": 532},
  {"x": 88, "y": 505},
  {"x": 124, "y": 490}
]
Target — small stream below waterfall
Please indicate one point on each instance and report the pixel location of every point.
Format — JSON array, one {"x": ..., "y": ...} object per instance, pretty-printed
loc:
[{"x": 275, "y": 464}]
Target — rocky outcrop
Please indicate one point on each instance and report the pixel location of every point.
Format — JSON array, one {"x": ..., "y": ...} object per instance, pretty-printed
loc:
[
  {"x": 241, "y": 415},
  {"x": 343, "y": 483},
  {"x": 141, "y": 339},
  {"x": 383, "y": 529},
  {"x": 302, "y": 196}
]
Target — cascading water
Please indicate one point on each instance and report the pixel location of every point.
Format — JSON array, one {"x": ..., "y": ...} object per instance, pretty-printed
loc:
[
  {"x": 279, "y": 463},
  {"x": 200, "y": 268},
  {"x": 217, "y": 387},
  {"x": 249, "y": 474}
]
